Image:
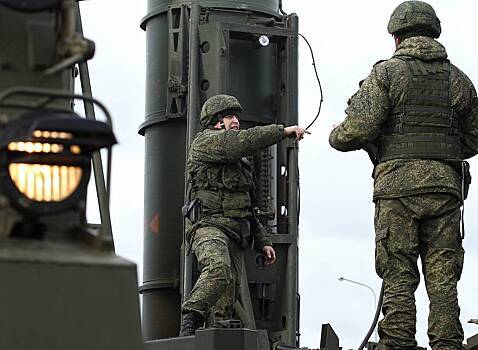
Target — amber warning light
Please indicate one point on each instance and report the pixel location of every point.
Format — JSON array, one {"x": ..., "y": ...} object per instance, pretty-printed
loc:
[{"x": 46, "y": 162}]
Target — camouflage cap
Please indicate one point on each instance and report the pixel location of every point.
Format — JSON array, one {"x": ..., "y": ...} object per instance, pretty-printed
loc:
[
  {"x": 412, "y": 16},
  {"x": 216, "y": 106}
]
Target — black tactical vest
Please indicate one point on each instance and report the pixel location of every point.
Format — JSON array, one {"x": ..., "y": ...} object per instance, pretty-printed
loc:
[{"x": 425, "y": 126}]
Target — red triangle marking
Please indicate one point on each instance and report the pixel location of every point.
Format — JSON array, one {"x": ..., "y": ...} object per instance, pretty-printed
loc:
[{"x": 154, "y": 224}]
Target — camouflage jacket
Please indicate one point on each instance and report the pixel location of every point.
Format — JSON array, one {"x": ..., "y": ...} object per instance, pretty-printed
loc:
[
  {"x": 369, "y": 108},
  {"x": 217, "y": 169}
]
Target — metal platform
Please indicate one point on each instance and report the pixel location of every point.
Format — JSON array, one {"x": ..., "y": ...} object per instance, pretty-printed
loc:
[{"x": 215, "y": 339}]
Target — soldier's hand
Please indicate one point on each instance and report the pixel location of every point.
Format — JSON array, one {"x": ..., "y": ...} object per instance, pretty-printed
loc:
[
  {"x": 269, "y": 255},
  {"x": 295, "y": 131}
]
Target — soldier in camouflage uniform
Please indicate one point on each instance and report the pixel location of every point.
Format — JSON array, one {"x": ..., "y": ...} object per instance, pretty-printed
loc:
[
  {"x": 416, "y": 115},
  {"x": 221, "y": 184}
]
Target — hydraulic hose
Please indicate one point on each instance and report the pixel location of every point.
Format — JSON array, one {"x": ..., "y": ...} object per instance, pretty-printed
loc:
[{"x": 375, "y": 320}]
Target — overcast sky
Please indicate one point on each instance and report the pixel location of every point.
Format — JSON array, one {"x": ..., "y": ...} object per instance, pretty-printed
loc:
[{"x": 336, "y": 222}]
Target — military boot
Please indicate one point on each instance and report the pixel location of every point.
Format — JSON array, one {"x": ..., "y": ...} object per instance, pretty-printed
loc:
[{"x": 190, "y": 323}]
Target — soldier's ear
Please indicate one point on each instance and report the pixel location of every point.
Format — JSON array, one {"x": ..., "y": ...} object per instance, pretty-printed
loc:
[
  {"x": 397, "y": 40},
  {"x": 219, "y": 124}
]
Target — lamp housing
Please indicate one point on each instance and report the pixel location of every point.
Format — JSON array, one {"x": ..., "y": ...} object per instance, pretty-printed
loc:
[{"x": 45, "y": 159}]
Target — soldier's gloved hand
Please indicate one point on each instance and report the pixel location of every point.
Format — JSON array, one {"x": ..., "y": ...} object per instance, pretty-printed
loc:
[
  {"x": 269, "y": 255},
  {"x": 295, "y": 131}
]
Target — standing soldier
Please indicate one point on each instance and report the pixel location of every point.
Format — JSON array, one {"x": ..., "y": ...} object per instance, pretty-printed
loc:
[
  {"x": 416, "y": 115},
  {"x": 221, "y": 207}
]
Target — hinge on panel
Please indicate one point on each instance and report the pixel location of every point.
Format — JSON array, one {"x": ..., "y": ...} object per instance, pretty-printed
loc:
[{"x": 178, "y": 29}]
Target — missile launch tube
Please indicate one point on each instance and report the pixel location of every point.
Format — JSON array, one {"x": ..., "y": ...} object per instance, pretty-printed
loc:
[
  {"x": 165, "y": 140},
  {"x": 270, "y": 7}
]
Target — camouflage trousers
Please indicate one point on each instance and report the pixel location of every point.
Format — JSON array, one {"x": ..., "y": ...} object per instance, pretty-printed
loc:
[
  {"x": 428, "y": 226},
  {"x": 220, "y": 262}
]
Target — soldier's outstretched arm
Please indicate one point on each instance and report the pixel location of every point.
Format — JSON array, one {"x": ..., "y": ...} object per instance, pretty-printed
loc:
[
  {"x": 295, "y": 131},
  {"x": 231, "y": 145}
]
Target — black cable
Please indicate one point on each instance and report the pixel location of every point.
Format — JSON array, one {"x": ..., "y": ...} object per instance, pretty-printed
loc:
[
  {"x": 298, "y": 188},
  {"x": 318, "y": 112},
  {"x": 318, "y": 80},
  {"x": 313, "y": 121},
  {"x": 375, "y": 320},
  {"x": 280, "y": 9}
]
